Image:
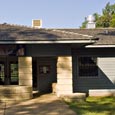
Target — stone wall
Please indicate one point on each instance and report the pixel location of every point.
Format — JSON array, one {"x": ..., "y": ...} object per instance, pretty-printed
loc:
[
  {"x": 15, "y": 93},
  {"x": 102, "y": 92},
  {"x": 25, "y": 71},
  {"x": 64, "y": 76}
]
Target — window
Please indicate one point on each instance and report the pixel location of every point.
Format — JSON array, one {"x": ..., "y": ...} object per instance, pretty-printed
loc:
[
  {"x": 87, "y": 66},
  {"x": 44, "y": 69},
  {"x": 2, "y": 73},
  {"x": 8, "y": 70},
  {"x": 12, "y": 50},
  {"x": 14, "y": 73}
]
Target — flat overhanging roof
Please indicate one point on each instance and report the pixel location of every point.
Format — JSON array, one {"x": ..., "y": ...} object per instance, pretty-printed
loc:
[
  {"x": 49, "y": 42},
  {"x": 100, "y": 46}
]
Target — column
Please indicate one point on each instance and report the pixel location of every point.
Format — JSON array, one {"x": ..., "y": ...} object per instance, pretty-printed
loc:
[
  {"x": 64, "y": 76},
  {"x": 25, "y": 71}
]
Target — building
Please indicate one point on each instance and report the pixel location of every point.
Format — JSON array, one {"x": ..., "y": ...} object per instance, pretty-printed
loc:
[{"x": 77, "y": 60}]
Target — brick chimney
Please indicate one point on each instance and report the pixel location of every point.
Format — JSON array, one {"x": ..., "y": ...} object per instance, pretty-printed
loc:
[{"x": 36, "y": 23}]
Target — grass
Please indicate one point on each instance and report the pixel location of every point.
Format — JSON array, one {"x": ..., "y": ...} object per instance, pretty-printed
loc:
[{"x": 94, "y": 106}]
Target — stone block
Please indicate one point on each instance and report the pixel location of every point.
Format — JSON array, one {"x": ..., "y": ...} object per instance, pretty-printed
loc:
[
  {"x": 25, "y": 76},
  {"x": 25, "y": 70},
  {"x": 13, "y": 93},
  {"x": 64, "y": 59},
  {"x": 64, "y": 71},
  {"x": 74, "y": 97},
  {"x": 23, "y": 89},
  {"x": 102, "y": 92},
  {"x": 64, "y": 81},
  {"x": 64, "y": 87},
  {"x": 25, "y": 82}
]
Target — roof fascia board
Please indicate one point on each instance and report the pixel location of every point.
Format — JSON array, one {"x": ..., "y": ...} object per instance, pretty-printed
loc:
[
  {"x": 100, "y": 46},
  {"x": 48, "y": 42}
]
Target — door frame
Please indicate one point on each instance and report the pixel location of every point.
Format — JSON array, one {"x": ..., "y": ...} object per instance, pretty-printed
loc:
[{"x": 45, "y": 61}]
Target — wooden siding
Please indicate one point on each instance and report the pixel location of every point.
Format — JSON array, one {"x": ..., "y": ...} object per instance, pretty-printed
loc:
[
  {"x": 48, "y": 50},
  {"x": 99, "y": 52},
  {"x": 106, "y": 70}
]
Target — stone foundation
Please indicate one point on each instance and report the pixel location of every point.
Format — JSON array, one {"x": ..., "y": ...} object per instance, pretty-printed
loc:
[
  {"x": 74, "y": 97},
  {"x": 102, "y": 92},
  {"x": 15, "y": 93}
]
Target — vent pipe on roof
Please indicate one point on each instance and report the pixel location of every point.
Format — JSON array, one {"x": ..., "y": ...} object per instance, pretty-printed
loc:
[
  {"x": 36, "y": 23},
  {"x": 91, "y": 23}
]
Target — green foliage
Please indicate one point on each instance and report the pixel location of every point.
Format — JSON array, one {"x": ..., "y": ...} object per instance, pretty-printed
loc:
[
  {"x": 84, "y": 24},
  {"x": 109, "y": 9},
  {"x": 107, "y": 19},
  {"x": 94, "y": 106},
  {"x": 97, "y": 16},
  {"x": 112, "y": 22}
]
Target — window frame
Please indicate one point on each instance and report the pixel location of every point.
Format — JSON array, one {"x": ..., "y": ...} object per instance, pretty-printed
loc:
[
  {"x": 88, "y": 76},
  {"x": 11, "y": 74}
]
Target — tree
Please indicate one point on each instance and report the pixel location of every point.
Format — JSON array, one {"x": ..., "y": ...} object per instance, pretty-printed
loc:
[
  {"x": 107, "y": 19},
  {"x": 112, "y": 22},
  {"x": 109, "y": 9},
  {"x": 96, "y": 15},
  {"x": 84, "y": 23}
]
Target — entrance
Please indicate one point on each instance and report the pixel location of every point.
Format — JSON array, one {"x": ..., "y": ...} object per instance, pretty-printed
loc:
[
  {"x": 8, "y": 70},
  {"x": 46, "y": 74}
]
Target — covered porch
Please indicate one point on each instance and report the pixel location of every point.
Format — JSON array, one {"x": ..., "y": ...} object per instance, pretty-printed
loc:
[
  {"x": 21, "y": 45},
  {"x": 58, "y": 70},
  {"x": 33, "y": 66}
]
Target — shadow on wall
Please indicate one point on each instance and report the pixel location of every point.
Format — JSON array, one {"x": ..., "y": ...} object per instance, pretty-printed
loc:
[{"x": 65, "y": 64}]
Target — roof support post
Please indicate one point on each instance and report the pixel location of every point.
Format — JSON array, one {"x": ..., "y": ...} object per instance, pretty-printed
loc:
[
  {"x": 64, "y": 76},
  {"x": 25, "y": 71},
  {"x": 25, "y": 76}
]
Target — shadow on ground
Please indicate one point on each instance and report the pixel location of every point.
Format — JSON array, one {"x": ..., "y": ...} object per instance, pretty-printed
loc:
[{"x": 47, "y": 104}]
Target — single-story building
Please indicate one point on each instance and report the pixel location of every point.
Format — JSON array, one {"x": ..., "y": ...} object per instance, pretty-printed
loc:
[{"x": 77, "y": 60}]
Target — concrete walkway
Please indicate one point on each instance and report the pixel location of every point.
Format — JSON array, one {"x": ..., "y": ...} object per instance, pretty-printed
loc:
[{"x": 47, "y": 104}]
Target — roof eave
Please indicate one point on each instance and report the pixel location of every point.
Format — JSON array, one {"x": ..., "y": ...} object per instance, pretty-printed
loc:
[
  {"x": 101, "y": 46},
  {"x": 48, "y": 42}
]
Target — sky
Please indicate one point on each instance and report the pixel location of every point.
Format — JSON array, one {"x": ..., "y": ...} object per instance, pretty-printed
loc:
[{"x": 54, "y": 13}]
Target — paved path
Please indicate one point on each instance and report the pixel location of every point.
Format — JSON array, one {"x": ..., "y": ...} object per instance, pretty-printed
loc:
[{"x": 44, "y": 105}]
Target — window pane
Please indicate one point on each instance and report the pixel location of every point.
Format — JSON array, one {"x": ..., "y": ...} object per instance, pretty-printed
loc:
[
  {"x": 14, "y": 73},
  {"x": 1, "y": 74},
  {"x": 88, "y": 66}
]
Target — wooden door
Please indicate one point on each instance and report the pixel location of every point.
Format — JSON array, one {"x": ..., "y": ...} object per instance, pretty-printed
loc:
[{"x": 46, "y": 70}]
